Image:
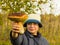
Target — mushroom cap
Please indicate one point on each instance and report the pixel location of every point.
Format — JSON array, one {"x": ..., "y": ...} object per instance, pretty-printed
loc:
[{"x": 17, "y": 17}]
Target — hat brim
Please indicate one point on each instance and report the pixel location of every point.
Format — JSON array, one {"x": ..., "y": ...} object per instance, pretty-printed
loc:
[{"x": 32, "y": 21}]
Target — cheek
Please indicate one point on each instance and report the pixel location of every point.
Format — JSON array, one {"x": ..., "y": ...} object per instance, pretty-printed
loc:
[{"x": 35, "y": 28}]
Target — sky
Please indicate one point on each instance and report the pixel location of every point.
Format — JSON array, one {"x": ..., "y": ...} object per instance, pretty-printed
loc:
[{"x": 55, "y": 4}]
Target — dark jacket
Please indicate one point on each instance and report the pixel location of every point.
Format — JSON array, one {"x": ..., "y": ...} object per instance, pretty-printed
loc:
[{"x": 28, "y": 39}]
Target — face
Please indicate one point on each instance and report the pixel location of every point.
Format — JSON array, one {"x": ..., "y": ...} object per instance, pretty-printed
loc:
[{"x": 33, "y": 28}]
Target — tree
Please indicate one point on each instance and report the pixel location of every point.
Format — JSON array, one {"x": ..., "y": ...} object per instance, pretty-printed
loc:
[{"x": 27, "y": 6}]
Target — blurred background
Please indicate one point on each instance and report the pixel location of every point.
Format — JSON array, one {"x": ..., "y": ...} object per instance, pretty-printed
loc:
[{"x": 49, "y": 11}]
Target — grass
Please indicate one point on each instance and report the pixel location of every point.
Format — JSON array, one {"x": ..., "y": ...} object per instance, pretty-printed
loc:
[
  {"x": 9, "y": 43},
  {"x": 55, "y": 44},
  {"x": 5, "y": 43}
]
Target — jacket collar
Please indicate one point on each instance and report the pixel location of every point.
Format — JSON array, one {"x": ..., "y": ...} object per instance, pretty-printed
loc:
[{"x": 32, "y": 36}]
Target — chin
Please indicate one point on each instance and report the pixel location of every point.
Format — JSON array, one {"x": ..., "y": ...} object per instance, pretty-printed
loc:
[{"x": 31, "y": 31}]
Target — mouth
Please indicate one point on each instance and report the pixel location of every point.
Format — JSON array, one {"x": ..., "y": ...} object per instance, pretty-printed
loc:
[{"x": 32, "y": 29}]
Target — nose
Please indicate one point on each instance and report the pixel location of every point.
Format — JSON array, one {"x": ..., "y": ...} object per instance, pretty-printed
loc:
[{"x": 32, "y": 25}]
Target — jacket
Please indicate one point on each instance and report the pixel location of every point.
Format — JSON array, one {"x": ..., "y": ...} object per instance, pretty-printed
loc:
[{"x": 28, "y": 39}]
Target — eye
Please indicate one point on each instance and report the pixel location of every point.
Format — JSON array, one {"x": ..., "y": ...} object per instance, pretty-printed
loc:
[{"x": 35, "y": 24}]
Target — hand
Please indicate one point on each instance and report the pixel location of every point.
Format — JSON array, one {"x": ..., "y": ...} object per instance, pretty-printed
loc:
[{"x": 17, "y": 27}]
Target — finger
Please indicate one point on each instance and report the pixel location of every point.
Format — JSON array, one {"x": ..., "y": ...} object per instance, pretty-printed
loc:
[
  {"x": 15, "y": 31},
  {"x": 15, "y": 28},
  {"x": 15, "y": 25}
]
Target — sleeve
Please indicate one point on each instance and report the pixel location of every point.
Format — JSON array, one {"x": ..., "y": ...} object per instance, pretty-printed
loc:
[
  {"x": 44, "y": 41},
  {"x": 16, "y": 41}
]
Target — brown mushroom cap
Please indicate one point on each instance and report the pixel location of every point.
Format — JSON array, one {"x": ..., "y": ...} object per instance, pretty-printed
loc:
[{"x": 18, "y": 17}]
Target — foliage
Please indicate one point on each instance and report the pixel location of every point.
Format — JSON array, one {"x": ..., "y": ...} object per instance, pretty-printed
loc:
[
  {"x": 1, "y": 21},
  {"x": 27, "y": 6},
  {"x": 51, "y": 28},
  {"x": 17, "y": 5}
]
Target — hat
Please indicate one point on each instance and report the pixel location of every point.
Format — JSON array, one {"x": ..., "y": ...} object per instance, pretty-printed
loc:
[{"x": 33, "y": 18}]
